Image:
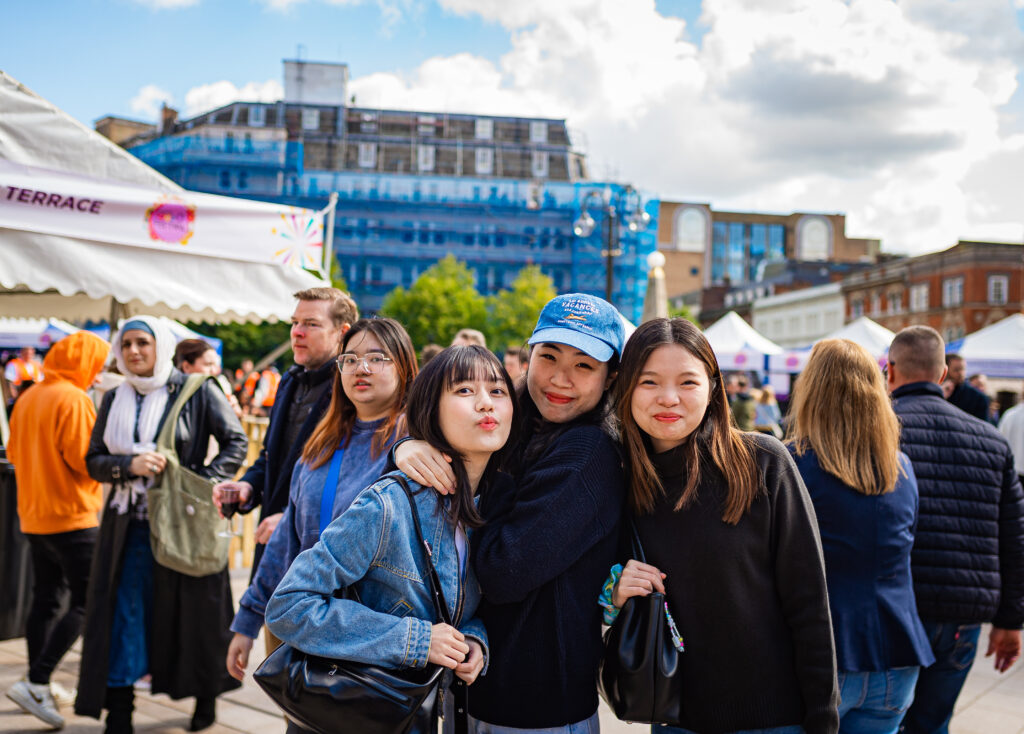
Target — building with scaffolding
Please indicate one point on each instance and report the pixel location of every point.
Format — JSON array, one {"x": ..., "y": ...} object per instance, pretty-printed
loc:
[{"x": 498, "y": 192}]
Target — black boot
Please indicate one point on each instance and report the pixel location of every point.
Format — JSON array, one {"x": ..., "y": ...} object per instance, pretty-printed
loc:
[
  {"x": 205, "y": 713},
  {"x": 120, "y": 704}
]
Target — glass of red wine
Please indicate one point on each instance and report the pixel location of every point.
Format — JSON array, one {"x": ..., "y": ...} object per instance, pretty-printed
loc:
[{"x": 229, "y": 499}]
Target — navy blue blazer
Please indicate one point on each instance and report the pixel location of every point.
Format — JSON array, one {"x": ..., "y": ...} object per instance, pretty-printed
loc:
[
  {"x": 271, "y": 474},
  {"x": 867, "y": 541}
]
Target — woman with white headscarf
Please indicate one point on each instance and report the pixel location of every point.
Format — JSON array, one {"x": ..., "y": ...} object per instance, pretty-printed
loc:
[{"x": 142, "y": 617}]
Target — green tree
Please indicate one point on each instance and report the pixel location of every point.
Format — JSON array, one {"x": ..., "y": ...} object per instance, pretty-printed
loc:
[
  {"x": 513, "y": 313},
  {"x": 683, "y": 312},
  {"x": 443, "y": 300},
  {"x": 243, "y": 341}
]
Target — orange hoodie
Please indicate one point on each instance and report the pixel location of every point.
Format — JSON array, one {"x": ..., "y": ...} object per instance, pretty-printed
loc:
[{"x": 50, "y": 429}]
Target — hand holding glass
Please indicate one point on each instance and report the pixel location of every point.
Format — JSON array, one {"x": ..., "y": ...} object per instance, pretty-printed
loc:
[{"x": 230, "y": 497}]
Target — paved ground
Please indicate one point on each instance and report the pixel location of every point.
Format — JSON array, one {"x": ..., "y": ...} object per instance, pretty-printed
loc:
[{"x": 990, "y": 703}]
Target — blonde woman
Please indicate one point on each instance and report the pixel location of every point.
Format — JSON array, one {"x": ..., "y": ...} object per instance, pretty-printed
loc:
[{"x": 844, "y": 437}]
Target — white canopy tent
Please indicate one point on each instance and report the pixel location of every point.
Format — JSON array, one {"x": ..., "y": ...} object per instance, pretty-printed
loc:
[
  {"x": 737, "y": 345},
  {"x": 996, "y": 350},
  {"x": 863, "y": 331},
  {"x": 85, "y": 226},
  {"x": 38, "y": 333}
]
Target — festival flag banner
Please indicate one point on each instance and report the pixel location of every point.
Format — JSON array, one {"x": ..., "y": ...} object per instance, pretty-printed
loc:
[{"x": 60, "y": 203}]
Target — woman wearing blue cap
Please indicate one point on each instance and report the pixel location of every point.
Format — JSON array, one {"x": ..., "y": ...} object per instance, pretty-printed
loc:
[{"x": 552, "y": 536}]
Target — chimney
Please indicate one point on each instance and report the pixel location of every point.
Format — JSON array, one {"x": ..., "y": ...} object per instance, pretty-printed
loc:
[{"x": 168, "y": 116}]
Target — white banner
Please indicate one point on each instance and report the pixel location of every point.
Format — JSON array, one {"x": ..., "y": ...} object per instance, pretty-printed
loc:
[{"x": 52, "y": 202}]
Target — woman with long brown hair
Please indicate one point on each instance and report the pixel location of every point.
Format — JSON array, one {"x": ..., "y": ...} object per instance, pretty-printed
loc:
[
  {"x": 729, "y": 535},
  {"x": 375, "y": 369},
  {"x": 845, "y": 439}
]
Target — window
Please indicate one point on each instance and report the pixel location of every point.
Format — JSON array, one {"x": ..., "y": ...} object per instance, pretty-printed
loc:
[
  {"x": 368, "y": 122},
  {"x": 691, "y": 229},
  {"x": 367, "y": 155},
  {"x": 310, "y": 119},
  {"x": 425, "y": 126},
  {"x": 257, "y": 115},
  {"x": 225, "y": 179},
  {"x": 876, "y": 304},
  {"x": 857, "y": 308},
  {"x": 539, "y": 164},
  {"x": 997, "y": 289},
  {"x": 243, "y": 180},
  {"x": 538, "y": 132},
  {"x": 953, "y": 291},
  {"x": 484, "y": 130},
  {"x": 484, "y": 160},
  {"x": 425, "y": 158},
  {"x": 894, "y": 302},
  {"x": 919, "y": 297}
]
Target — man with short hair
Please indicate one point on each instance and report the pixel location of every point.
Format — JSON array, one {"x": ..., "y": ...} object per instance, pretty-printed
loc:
[
  {"x": 741, "y": 402},
  {"x": 23, "y": 371},
  {"x": 966, "y": 397},
  {"x": 321, "y": 318},
  {"x": 515, "y": 361},
  {"x": 968, "y": 555},
  {"x": 468, "y": 337},
  {"x": 58, "y": 506}
]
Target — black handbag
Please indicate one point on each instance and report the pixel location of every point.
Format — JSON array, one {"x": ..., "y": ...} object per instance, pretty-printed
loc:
[
  {"x": 335, "y": 696},
  {"x": 640, "y": 675}
]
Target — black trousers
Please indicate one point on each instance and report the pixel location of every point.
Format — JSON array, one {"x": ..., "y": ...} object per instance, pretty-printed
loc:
[{"x": 60, "y": 565}]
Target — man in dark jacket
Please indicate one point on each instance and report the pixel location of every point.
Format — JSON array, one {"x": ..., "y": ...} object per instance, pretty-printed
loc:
[
  {"x": 965, "y": 396},
  {"x": 968, "y": 555},
  {"x": 321, "y": 318}
]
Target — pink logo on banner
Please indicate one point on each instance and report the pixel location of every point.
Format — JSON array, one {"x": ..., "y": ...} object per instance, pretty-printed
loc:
[
  {"x": 171, "y": 220},
  {"x": 792, "y": 360},
  {"x": 740, "y": 359}
]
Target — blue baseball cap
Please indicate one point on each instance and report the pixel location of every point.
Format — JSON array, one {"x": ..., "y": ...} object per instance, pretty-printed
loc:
[{"x": 586, "y": 322}]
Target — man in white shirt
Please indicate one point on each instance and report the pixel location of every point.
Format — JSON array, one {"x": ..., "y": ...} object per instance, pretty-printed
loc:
[{"x": 1012, "y": 427}]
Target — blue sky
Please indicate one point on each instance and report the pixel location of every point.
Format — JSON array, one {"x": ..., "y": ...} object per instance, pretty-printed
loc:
[{"x": 908, "y": 115}]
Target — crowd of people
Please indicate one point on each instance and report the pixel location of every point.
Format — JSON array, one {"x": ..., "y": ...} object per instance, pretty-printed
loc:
[{"x": 834, "y": 580}]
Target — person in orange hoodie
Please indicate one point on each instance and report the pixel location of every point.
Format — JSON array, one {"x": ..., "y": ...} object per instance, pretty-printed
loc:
[{"x": 58, "y": 506}]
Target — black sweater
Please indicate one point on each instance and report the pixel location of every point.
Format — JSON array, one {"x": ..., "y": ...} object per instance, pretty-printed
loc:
[
  {"x": 541, "y": 560},
  {"x": 749, "y": 599}
]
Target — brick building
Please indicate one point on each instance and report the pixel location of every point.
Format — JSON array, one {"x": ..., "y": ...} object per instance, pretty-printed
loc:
[{"x": 956, "y": 291}]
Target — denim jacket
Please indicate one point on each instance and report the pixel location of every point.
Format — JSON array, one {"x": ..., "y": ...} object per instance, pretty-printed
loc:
[{"x": 373, "y": 547}]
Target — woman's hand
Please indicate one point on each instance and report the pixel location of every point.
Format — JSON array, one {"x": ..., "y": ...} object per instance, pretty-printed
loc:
[
  {"x": 425, "y": 465},
  {"x": 238, "y": 655},
  {"x": 470, "y": 668},
  {"x": 148, "y": 464},
  {"x": 244, "y": 492},
  {"x": 448, "y": 646},
  {"x": 638, "y": 579}
]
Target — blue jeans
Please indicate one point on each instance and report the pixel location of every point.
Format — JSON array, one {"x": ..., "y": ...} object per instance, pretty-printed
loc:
[
  {"x": 939, "y": 684},
  {"x": 659, "y": 729},
  {"x": 875, "y": 702}
]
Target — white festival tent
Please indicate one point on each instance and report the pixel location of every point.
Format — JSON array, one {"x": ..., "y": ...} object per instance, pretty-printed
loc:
[
  {"x": 997, "y": 350},
  {"x": 738, "y": 346},
  {"x": 38, "y": 333},
  {"x": 87, "y": 229},
  {"x": 863, "y": 331}
]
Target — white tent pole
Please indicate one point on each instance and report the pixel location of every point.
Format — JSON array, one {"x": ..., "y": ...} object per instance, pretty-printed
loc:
[{"x": 329, "y": 236}]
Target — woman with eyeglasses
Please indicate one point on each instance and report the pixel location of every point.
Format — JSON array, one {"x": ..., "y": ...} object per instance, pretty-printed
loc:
[{"x": 376, "y": 366}]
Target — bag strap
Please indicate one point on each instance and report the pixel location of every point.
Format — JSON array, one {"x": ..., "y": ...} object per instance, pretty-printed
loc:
[
  {"x": 436, "y": 592},
  {"x": 638, "y": 548},
  {"x": 165, "y": 439},
  {"x": 330, "y": 489}
]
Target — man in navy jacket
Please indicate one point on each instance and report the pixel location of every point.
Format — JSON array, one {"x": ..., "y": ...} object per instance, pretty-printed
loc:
[{"x": 968, "y": 555}]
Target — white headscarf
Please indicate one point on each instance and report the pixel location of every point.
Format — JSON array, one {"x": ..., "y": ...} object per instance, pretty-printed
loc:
[{"x": 119, "y": 433}]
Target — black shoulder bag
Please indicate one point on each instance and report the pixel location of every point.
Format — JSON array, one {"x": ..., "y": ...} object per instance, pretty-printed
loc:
[
  {"x": 640, "y": 677},
  {"x": 337, "y": 696}
]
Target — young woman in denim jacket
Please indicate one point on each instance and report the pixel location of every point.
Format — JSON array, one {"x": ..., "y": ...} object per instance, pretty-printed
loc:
[
  {"x": 550, "y": 538},
  {"x": 461, "y": 403},
  {"x": 376, "y": 366}
]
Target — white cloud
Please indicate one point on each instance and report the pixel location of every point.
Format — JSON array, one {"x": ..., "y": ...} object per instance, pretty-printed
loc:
[
  {"x": 886, "y": 110},
  {"x": 217, "y": 94},
  {"x": 148, "y": 101}
]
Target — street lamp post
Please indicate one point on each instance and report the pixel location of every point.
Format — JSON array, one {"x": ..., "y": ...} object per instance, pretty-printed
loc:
[{"x": 626, "y": 205}]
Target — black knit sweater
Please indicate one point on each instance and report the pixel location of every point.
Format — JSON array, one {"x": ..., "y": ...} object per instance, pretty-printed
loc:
[
  {"x": 541, "y": 560},
  {"x": 749, "y": 599}
]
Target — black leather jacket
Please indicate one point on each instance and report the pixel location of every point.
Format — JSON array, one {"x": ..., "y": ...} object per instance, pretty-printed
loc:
[{"x": 207, "y": 413}]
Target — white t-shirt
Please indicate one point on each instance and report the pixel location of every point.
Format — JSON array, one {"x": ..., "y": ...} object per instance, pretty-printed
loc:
[{"x": 1012, "y": 426}]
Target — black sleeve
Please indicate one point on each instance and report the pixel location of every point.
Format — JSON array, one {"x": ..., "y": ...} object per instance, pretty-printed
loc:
[
  {"x": 104, "y": 466},
  {"x": 1010, "y": 614},
  {"x": 563, "y": 505},
  {"x": 800, "y": 580},
  {"x": 224, "y": 427}
]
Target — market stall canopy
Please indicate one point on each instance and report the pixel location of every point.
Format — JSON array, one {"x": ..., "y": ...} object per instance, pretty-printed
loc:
[
  {"x": 38, "y": 333},
  {"x": 83, "y": 221},
  {"x": 869, "y": 334},
  {"x": 996, "y": 350},
  {"x": 737, "y": 345},
  {"x": 180, "y": 331}
]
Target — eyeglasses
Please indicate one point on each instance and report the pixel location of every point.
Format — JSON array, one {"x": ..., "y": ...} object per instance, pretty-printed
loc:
[{"x": 372, "y": 362}]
